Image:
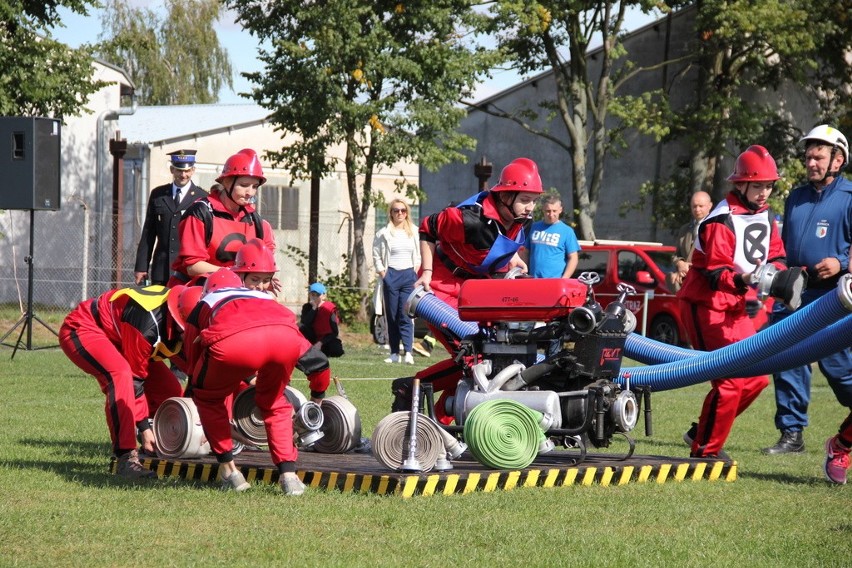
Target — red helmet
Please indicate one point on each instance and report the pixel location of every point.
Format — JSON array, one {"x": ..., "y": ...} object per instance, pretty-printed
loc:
[
  {"x": 254, "y": 257},
  {"x": 243, "y": 163},
  {"x": 182, "y": 300},
  {"x": 755, "y": 164},
  {"x": 222, "y": 278},
  {"x": 520, "y": 175}
]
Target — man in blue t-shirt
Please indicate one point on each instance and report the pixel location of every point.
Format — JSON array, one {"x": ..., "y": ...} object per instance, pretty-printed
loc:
[{"x": 552, "y": 244}]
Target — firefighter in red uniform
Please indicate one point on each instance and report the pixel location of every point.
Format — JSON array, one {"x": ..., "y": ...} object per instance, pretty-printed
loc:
[
  {"x": 481, "y": 237},
  {"x": 214, "y": 228},
  {"x": 255, "y": 265},
  {"x": 736, "y": 238},
  {"x": 256, "y": 268},
  {"x": 234, "y": 333},
  {"x": 121, "y": 338}
]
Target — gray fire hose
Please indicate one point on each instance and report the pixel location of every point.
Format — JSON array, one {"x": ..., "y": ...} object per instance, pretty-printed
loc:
[
  {"x": 341, "y": 426},
  {"x": 390, "y": 441}
]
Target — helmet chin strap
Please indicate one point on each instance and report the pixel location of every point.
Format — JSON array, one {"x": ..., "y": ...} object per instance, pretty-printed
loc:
[
  {"x": 511, "y": 208},
  {"x": 744, "y": 198},
  {"x": 229, "y": 191},
  {"x": 828, "y": 173}
]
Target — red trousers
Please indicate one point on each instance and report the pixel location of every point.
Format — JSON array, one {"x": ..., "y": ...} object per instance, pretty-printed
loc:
[
  {"x": 711, "y": 329},
  {"x": 94, "y": 353},
  {"x": 223, "y": 366}
]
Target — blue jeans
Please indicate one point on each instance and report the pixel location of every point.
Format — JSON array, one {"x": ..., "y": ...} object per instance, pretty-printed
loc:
[
  {"x": 397, "y": 285},
  {"x": 793, "y": 387}
]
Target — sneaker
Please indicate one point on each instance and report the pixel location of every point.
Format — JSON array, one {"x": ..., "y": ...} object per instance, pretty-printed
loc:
[
  {"x": 421, "y": 350},
  {"x": 689, "y": 435},
  {"x": 129, "y": 467},
  {"x": 409, "y": 359},
  {"x": 291, "y": 484},
  {"x": 235, "y": 481},
  {"x": 836, "y": 461},
  {"x": 394, "y": 358}
]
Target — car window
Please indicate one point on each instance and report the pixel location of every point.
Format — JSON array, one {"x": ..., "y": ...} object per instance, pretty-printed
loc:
[
  {"x": 592, "y": 261},
  {"x": 662, "y": 259},
  {"x": 629, "y": 263}
]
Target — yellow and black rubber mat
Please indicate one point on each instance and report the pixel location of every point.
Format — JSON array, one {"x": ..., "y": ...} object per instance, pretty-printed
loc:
[{"x": 361, "y": 473}]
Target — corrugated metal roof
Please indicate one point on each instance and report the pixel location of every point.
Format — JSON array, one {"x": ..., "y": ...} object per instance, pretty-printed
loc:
[{"x": 162, "y": 124}]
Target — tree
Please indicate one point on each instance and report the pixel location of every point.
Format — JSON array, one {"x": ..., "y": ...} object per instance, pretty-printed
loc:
[
  {"x": 555, "y": 35},
  {"x": 38, "y": 75},
  {"x": 745, "y": 48},
  {"x": 747, "y": 51},
  {"x": 173, "y": 60},
  {"x": 378, "y": 78}
]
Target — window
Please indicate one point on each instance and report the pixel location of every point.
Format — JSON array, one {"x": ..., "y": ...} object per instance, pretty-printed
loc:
[
  {"x": 279, "y": 206},
  {"x": 592, "y": 261}
]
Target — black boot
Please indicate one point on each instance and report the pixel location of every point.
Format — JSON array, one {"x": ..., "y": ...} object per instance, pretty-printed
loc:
[{"x": 789, "y": 443}]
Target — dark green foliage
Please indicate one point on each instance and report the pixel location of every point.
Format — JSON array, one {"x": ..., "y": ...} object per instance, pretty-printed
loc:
[
  {"x": 38, "y": 75},
  {"x": 365, "y": 85}
]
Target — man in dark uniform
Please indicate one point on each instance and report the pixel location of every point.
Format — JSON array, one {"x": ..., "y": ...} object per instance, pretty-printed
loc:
[{"x": 159, "y": 244}]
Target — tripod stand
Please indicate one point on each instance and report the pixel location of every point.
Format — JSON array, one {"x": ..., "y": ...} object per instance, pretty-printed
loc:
[{"x": 26, "y": 320}]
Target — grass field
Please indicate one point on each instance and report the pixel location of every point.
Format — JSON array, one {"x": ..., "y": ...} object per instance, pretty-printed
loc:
[{"x": 60, "y": 507}]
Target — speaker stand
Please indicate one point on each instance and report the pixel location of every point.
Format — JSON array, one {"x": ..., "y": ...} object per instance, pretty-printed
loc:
[{"x": 26, "y": 320}]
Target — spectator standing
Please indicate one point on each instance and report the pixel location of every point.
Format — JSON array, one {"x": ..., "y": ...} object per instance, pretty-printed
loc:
[
  {"x": 817, "y": 232},
  {"x": 159, "y": 244},
  {"x": 552, "y": 244},
  {"x": 396, "y": 256},
  {"x": 319, "y": 321},
  {"x": 733, "y": 240},
  {"x": 699, "y": 205}
]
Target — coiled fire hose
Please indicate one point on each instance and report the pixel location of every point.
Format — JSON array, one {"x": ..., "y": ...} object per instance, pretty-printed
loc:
[
  {"x": 248, "y": 421},
  {"x": 178, "y": 430},
  {"x": 341, "y": 423},
  {"x": 390, "y": 442},
  {"x": 341, "y": 426},
  {"x": 503, "y": 434}
]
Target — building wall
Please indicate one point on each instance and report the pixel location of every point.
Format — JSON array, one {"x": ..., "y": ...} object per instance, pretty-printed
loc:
[{"x": 147, "y": 166}]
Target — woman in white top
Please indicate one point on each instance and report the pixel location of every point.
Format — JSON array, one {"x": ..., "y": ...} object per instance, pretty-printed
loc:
[{"x": 396, "y": 256}]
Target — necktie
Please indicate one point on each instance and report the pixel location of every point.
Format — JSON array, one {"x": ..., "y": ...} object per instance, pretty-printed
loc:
[{"x": 177, "y": 195}]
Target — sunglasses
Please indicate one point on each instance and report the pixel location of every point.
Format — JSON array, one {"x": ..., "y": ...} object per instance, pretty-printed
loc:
[{"x": 399, "y": 210}]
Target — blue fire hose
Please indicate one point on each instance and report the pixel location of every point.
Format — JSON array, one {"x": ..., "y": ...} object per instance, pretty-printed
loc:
[
  {"x": 830, "y": 340},
  {"x": 744, "y": 357}
]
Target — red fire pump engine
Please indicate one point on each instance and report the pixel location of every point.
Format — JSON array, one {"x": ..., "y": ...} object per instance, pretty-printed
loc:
[{"x": 547, "y": 344}]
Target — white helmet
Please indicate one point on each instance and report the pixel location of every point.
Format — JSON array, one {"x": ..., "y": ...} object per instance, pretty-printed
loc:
[{"x": 829, "y": 135}]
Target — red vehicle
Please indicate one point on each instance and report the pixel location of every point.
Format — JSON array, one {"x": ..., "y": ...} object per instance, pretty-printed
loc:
[{"x": 646, "y": 267}]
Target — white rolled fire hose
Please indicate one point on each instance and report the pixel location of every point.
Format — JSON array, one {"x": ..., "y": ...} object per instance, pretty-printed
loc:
[{"x": 178, "y": 430}]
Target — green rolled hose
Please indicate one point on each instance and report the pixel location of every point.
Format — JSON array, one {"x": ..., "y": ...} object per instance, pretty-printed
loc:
[{"x": 503, "y": 434}]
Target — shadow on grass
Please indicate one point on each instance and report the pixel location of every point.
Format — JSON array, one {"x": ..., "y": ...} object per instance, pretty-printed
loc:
[{"x": 84, "y": 463}]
